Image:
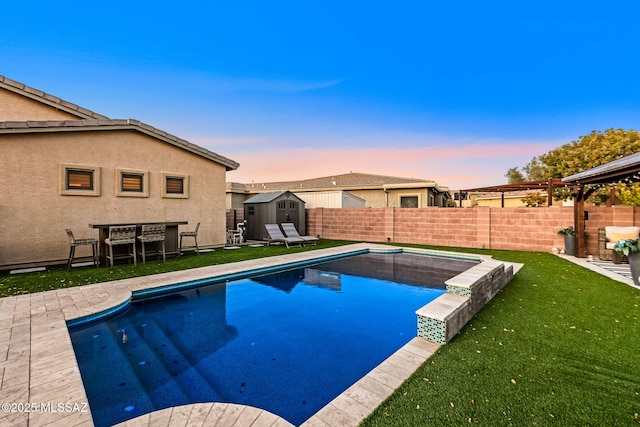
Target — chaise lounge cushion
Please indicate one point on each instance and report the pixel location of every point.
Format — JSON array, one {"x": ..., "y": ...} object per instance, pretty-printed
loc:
[{"x": 614, "y": 234}]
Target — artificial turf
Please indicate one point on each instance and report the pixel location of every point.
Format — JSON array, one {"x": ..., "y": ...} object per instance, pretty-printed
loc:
[{"x": 560, "y": 345}]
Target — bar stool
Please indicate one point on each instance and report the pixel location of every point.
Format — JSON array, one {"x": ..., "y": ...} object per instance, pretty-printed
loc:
[
  {"x": 152, "y": 233},
  {"x": 193, "y": 234},
  {"x": 122, "y": 235},
  {"x": 73, "y": 243}
]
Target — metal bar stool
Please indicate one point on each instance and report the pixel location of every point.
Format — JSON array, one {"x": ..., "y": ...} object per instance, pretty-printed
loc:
[
  {"x": 73, "y": 243},
  {"x": 122, "y": 235},
  {"x": 152, "y": 233}
]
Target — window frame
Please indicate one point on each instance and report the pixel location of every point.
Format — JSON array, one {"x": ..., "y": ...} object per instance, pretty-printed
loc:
[
  {"x": 120, "y": 175},
  {"x": 185, "y": 186},
  {"x": 409, "y": 196},
  {"x": 94, "y": 172}
]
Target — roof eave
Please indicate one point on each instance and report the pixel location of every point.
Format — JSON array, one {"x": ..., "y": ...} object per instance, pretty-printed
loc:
[{"x": 111, "y": 125}]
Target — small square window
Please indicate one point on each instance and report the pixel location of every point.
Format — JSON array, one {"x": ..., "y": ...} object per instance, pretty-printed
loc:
[
  {"x": 175, "y": 186},
  {"x": 79, "y": 180},
  {"x": 132, "y": 183}
]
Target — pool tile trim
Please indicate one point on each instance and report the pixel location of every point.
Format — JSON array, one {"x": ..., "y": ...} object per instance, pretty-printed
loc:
[{"x": 38, "y": 364}]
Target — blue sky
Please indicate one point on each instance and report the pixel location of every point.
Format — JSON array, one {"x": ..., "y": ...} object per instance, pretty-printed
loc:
[{"x": 456, "y": 92}]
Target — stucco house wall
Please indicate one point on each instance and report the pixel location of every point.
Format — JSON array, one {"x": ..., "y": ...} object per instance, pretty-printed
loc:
[
  {"x": 41, "y": 135},
  {"x": 34, "y": 213}
]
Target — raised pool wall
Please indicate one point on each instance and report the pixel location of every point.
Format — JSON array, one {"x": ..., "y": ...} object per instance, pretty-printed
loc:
[{"x": 467, "y": 293}]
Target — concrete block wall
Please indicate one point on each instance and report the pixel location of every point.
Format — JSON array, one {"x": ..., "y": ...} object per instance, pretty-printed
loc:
[{"x": 521, "y": 228}]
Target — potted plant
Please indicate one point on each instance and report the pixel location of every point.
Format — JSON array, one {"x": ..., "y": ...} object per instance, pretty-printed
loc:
[
  {"x": 569, "y": 234},
  {"x": 629, "y": 248}
]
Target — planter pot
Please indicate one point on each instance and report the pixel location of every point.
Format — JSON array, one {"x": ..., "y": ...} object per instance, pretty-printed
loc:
[
  {"x": 570, "y": 245},
  {"x": 634, "y": 265}
]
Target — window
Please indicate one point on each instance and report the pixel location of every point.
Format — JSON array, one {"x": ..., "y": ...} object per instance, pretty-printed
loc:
[
  {"x": 79, "y": 180},
  {"x": 175, "y": 186},
  {"x": 408, "y": 201},
  {"x": 132, "y": 183}
]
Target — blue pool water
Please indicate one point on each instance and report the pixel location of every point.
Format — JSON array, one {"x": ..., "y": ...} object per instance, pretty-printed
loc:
[{"x": 288, "y": 342}]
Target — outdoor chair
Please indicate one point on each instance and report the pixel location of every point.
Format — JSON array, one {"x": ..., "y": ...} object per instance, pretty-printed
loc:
[
  {"x": 608, "y": 237},
  {"x": 276, "y": 236},
  {"x": 122, "y": 235},
  {"x": 153, "y": 233},
  {"x": 73, "y": 243},
  {"x": 290, "y": 230},
  {"x": 193, "y": 234}
]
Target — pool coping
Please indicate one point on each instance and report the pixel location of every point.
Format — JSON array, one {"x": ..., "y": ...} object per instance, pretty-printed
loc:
[{"x": 39, "y": 369}]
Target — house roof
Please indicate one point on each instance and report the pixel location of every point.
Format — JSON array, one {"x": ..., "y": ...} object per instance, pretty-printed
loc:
[
  {"x": 93, "y": 121},
  {"x": 348, "y": 181},
  {"x": 45, "y": 98},
  {"x": 107, "y": 125}
]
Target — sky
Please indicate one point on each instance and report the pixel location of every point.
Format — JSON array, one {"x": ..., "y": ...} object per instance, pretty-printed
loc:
[{"x": 456, "y": 92}]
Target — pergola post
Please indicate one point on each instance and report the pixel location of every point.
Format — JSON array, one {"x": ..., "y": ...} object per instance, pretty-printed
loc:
[{"x": 578, "y": 219}]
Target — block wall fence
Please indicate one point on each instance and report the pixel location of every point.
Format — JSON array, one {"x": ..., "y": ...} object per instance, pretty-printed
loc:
[{"x": 520, "y": 228}]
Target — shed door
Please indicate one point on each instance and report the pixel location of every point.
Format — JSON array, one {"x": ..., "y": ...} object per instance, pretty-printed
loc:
[{"x": 287, "y": 211}]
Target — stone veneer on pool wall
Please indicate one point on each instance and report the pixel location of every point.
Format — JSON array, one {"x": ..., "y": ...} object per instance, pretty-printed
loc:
[{"x": 440, "y": 320}]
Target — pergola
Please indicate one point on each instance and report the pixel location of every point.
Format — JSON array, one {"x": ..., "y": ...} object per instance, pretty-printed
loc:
[
  {"x": 545, "y": 184},
  {"x": 625, "y": 169}
]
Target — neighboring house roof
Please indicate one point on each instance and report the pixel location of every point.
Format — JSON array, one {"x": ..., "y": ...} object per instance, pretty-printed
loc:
[
  {"x": 349, "y": 181},
  {"x": 268, "y": 197},
  {"x": 106, "y": 125},
  {"x": 45, "y": 98},
  {"x": 93, "y": 121}
]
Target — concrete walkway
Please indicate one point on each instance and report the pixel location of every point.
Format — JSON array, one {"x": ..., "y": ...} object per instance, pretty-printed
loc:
[{"x": 618, "y": 272}]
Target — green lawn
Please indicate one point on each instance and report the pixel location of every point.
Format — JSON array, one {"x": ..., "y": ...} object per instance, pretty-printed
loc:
[{"x": 560, "y": 345}]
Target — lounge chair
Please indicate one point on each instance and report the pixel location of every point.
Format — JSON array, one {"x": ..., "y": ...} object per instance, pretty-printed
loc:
[
  {"x": 290, "y": 230},
  {"x": 276, "y": 236}
]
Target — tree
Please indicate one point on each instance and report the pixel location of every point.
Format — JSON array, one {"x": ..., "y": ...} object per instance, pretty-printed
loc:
[
  {"x": 587, "y": 152},
  {"x": 590, "y": 151},
  {"x": 535, "y": 170},
  {"x": 629, "y": 194},
  {"x": 514, "y": 176},
  {"x": 533, "y": 200}
]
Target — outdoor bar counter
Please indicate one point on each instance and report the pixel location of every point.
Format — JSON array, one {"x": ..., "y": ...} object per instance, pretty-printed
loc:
[{"x": 171, "y": 236}]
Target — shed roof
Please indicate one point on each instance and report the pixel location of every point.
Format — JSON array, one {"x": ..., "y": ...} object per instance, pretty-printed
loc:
[{"x": 269, "y": 197}]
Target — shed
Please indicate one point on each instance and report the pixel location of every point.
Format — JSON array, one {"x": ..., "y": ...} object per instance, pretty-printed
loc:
[
  {"x": 330, "y": 199},
  {"x": 273, "y": 208}
]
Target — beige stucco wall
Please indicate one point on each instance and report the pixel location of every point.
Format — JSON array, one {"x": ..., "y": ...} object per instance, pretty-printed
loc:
[
  {"x": 378, "y": 199},
  {"x": 33, "y": 214},
  {"x": 14, "y": 107}
]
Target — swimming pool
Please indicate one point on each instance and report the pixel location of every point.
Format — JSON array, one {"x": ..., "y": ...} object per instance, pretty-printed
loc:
[{"x": 287, "y": 342}]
